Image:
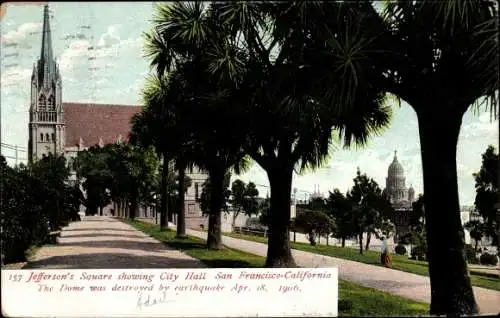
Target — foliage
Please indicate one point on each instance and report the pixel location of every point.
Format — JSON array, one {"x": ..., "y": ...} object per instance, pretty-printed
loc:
[
  {"x": 204, "y": 199},
  {"x": 477, "y": 230},
  {"x": 339, "y": 208},
  {"x": 118, "y": 172},
  {"x": 243, "y": 198},
  {"x": 470, "y": 254},
  {"x": 368, "y": 203},
  {"x": 418, "y": 211},
  {"x": 487, "y": 192},
  {"x": 400, "y": 249},
  {"x": 264, "y": 212},
  {"x": 418, "y": 238},
  {"x": 314, "y": 223},
  {"x": 385, "y": 229},
  {"x": 488, "y": 259},
  {"x": 419, "y": 252},
  {"x": 35, "y": 201}
]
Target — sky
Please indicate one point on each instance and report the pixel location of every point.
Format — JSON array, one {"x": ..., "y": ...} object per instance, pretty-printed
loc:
[{"x": 99, "y": 50}]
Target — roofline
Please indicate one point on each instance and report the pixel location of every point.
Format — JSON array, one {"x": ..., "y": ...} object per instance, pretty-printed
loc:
[{"x": 98, "y": 104}]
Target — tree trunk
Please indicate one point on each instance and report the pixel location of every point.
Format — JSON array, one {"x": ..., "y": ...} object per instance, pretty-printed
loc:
[
  {"x": 181, "y": 214},
  {"x": 368, "y": 239},
  {"x": 164, "y": 196},
  {"x": 327, "y": 237},
  {"x": 133, "y": 206},
  {"x": 360, "y": 236},
  {"x": 214, "y": 238},
  {"x": 235, "y": 215},
  {"x": 451, "y": 290},
  {"x": 100, "y": 210},
  {"x": 312, "y": 239},
  {"x": 279, "y": 252},
  {"x": 475, "y": 246},
  {"x": 343, "y": 241}
]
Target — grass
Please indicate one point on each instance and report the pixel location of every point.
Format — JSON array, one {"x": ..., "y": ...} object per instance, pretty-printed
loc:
[
  {"x": 354, "y": 300},
  {"x": 399, "y": 262}
]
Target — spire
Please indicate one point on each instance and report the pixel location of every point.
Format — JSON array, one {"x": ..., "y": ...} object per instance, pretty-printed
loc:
[{"x": 46, "y": 65}]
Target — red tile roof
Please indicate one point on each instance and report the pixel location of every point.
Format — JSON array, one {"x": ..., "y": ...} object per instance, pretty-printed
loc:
[{"x": 94, "y": 121}]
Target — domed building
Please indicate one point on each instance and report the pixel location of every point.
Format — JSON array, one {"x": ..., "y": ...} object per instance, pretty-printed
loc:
[
  {"x": 401, "y": 197},
  {"x": 395, "y": 185}
]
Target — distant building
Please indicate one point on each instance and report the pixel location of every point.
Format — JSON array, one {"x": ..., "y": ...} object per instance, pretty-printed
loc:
[
  {"x": 400, "y": 197},
  {"x": 316, "y": 194},
  {"x": 395, "y": 187}
]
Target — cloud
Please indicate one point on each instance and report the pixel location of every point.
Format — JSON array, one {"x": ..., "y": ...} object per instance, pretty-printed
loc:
[
  {"x": 15, "y": 79},
  {"x": 480, "y": 126},
  {"x": 110, "y": 38},
  {"x": 23, "y": 36}
]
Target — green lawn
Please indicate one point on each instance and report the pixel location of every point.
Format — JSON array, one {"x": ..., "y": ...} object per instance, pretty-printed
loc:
[
  {"x": 354, "y": 300},
  {"x": 399, "y": 262}
]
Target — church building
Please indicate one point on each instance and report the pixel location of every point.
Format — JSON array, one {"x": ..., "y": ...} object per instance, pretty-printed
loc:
[{"x": 60, "y": 127}]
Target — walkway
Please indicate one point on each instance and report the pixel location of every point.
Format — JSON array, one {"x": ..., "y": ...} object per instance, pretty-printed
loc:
[
  {"x": 103, "y": 242},
  {"x": 396, "y": 282}
]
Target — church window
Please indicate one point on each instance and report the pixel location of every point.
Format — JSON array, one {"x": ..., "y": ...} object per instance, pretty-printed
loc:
[
  {"x": 47, "y": 137},
  {"x": 41, "y": 137},
  {"x": 52, "y": 103},
  {"x": 196, "y": 191},
  {"x": 53, "y": 137},
  {"x": 42, "y": 103}
]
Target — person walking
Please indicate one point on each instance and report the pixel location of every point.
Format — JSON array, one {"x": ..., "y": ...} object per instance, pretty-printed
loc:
[{"x": 385, "y": 257}]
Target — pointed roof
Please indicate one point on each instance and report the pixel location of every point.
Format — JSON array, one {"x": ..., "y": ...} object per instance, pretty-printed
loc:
[{"x": 46, "y": 64}]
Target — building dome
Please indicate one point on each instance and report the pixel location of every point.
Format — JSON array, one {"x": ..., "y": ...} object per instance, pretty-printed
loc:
[{"x": 395, "y": 168}]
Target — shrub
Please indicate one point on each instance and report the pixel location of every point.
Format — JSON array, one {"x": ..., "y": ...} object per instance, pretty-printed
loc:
[
  {"x": 419, "y": 253},
  {"x": 313, "y": 223},
  {"x": 400, "y": 249},
  {"x": 470, "y": 254},
  {"x": 488, "y": 259},
  {"x": 32, "y": 197}
]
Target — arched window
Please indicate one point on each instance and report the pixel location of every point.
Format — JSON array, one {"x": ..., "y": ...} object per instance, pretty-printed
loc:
[
  {"x": 41, "y": 137},
  {"x": 52, "y": 103},
  {"x": 47, "y": 137},
  {"x": 53, "y": 137},
  {"x": 42, "y": 103}
]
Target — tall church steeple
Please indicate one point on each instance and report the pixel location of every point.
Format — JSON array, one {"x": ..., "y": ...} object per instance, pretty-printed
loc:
[
  {"x": 46, "y": 65},
  {"x": 46, "y": 125}
]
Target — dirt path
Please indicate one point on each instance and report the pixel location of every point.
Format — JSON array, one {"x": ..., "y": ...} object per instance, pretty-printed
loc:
[{"x": 103, "y": 242}]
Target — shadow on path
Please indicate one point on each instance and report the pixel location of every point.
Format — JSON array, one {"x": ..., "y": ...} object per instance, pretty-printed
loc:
[
  {"x": 102, "y": 229},
  {"x": 129, "y": 245},
  {"x": 111, "y": 260},
  {"x": 99, "y": 234}
]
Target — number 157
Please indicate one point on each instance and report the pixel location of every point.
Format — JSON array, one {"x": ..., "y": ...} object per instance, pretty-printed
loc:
[{"x": 15, "y": 277}]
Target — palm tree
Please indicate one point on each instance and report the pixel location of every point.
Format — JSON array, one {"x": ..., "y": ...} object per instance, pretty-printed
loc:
[
  {"x": 162, "y": 123},
  {"x": 442, "y": 61},
  {"x": 176, "y": 43},
  {"x": 291, "y": 120}
]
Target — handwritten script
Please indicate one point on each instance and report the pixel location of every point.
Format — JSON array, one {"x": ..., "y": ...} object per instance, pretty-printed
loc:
[{"x": 216, "y": 292}]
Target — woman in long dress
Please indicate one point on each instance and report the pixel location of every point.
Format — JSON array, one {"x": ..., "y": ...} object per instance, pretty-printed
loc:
[{"x": 385, "y": 258}]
